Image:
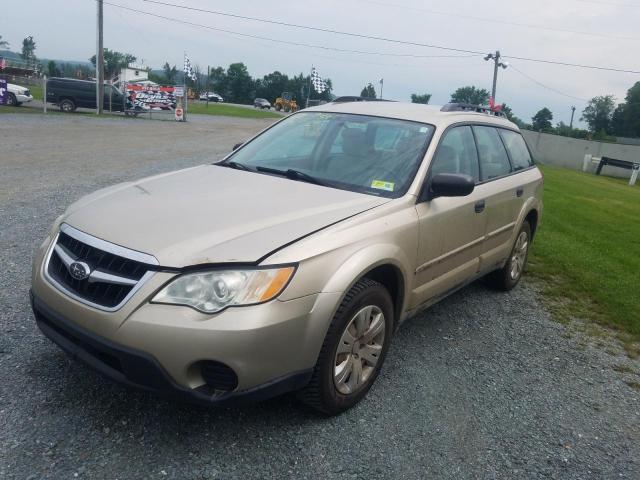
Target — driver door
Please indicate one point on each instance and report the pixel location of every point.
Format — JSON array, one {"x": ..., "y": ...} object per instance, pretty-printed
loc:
[{"x": 451, "y": 229}]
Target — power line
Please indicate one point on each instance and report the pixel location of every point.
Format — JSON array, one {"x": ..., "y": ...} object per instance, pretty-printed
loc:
[
  {"x": 614, "y": 4},
  {"x": 316, "y": 29},
  {"x": 385, "y": 39},
  {"x": 546, "y": 86},
  {"x": 501, "y": 22},
  {"x": 566, "y": 64},
  {"x": 299, "y": 44}
]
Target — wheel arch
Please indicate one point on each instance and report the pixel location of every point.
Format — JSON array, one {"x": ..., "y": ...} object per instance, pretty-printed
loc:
[{"x": 386, "y": 264}]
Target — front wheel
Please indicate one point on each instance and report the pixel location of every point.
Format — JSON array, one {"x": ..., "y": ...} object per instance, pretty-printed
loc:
[
  {"x": 353, "y": 350},
  {"x": 508, "y": 276},
  {"x": 12, "y": 101}
]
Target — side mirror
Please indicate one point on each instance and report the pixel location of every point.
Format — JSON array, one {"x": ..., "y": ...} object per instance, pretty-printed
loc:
[
  {"x": 451, "y": 185},
  {"x": 236, "y": 146}
]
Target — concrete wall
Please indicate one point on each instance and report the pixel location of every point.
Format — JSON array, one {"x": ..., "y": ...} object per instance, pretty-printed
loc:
[{"x": 569, "y": 152}]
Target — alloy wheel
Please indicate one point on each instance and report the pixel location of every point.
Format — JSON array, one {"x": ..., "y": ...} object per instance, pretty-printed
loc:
[
  {"x": 519, "y": 255},
  {"x": 359, "y": 350}
]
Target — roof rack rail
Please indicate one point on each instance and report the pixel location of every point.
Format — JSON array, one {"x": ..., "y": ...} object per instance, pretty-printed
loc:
[
  {"x": 469, "y": 107},
  {"x": 354, "y": 98}
]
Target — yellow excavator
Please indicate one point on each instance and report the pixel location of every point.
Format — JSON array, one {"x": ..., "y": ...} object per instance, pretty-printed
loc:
[{"x": 286, "y": 102}]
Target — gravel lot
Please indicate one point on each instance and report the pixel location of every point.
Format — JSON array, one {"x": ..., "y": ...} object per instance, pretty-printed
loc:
[{"x": 484, "y": 385}]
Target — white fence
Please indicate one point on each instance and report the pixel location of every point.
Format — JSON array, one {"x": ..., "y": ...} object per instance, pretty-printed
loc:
[{"x": 570, "y": 152}]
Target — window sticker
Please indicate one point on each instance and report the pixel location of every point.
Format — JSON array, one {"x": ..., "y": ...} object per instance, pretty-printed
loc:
[{"x": 382, "y": 185}]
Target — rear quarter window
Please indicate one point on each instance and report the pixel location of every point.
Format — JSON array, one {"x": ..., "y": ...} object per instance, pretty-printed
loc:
[{"x": 517, "y": 148}]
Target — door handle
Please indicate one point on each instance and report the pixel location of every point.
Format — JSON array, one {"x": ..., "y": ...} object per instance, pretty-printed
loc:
[
  {"x": 479, "y": 206},
  {"x": 519, "y": 192}
]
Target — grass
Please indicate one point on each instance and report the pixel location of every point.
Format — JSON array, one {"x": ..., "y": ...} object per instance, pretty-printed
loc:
[
  {"x": 587, "y": 250},
  {"x": 230, "y": 111},
  {"x": 36, "y": 91}
]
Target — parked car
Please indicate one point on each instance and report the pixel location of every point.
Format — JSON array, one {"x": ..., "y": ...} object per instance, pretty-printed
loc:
[
  {"x": 18, "y": 95},
  {"x": 289, "y": 264},
  {"x": 212, "y": 97},
  {"x": 261, "y": 103},
  {"x": 70, "y": 94}
]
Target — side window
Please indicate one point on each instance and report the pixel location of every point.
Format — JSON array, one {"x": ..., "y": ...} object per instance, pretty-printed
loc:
[
  {"x": 457, "y": 153},
  {"x": 494, "y": 161},
  {"x": 517, "y": 149}
]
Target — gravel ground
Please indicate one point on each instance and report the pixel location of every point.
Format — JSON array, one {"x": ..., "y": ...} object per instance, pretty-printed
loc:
[{"x": 483, "y": 385}]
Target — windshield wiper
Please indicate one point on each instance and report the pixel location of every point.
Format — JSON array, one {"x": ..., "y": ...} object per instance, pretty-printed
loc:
[
  {"x": 236, "y": 165},
  {"x": 293, "y": 175}
]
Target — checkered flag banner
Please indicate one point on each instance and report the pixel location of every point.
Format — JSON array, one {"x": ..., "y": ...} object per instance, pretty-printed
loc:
[
  {"x": 319, "y": 85},
  {"x": 188, "y": 69}
]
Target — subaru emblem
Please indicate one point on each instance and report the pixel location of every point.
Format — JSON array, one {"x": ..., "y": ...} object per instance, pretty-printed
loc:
[{"x": 79, "y": 270}]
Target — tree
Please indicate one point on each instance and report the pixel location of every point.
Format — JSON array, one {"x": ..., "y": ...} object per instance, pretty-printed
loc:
[
  {"x": 218, "y": 79},
  {"x": 114, "y": 62},
  {"x": 542, "y": 120},
  {"x": 240, "y": 85},
  {"x": 424, "y": 98},
  {"x": 272, "y": 85},
  {"x": 625, "y": 120},
  {"x": 170, "y": 73},
  {"x": 368, "y": 92},
  {"x": 598, "y": 113},
  {"x": 3, "y": 43},
  {"x": 28, "y": 49},
  {"x": 506, "y": 109},
  {"x": 472, "y": 95},
  {"x": 52, "y": 69}
]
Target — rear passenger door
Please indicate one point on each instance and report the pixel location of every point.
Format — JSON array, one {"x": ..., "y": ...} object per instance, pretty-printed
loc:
[{"x": 502, "y": 195}]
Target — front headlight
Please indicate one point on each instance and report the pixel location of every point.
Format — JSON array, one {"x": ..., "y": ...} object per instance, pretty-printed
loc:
[{"x": 216, "y": 290}]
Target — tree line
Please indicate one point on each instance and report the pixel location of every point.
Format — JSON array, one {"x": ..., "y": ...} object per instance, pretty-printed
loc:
[{"x": 236, "y": 85}]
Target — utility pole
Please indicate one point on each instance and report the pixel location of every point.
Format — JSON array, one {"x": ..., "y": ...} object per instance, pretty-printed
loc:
[
  {"x": 208, "y": 78},
  {"x": 99, "y": 61},
  {"x": 573, "y": 110},
  {"x": 496, "y": 63}
]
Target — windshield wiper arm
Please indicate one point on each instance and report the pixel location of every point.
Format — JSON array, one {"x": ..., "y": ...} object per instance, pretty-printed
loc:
[
  {"x": 236, "y": 165},
  {"x": 293, "y": 175}
]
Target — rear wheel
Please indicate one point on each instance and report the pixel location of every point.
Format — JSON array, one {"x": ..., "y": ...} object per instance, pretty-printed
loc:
[
  {"x": 67, "y": 105},
  {"x": 508, "y": 276},
  {"x": 353, "y": 350}
]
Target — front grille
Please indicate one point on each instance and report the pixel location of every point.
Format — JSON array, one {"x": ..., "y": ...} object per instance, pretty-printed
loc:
[
  {"x": 108, "y": 293},
  {"x": 27, "y": 93}
]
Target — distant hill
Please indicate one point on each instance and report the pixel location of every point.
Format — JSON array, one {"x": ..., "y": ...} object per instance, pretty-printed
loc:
[{"x": 8, "y": 54}]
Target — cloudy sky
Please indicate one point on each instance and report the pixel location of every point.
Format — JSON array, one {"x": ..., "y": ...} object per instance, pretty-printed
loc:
[{"x": 593, "y": 32}]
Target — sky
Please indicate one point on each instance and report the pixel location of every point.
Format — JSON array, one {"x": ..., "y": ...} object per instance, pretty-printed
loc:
[{"x": 593, "y": 32}]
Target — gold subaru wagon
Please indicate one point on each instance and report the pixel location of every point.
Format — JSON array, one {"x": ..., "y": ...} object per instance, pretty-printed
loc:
[{"x": 289, "y": 264}]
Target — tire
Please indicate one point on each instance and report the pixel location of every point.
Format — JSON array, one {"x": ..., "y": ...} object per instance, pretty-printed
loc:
[
  {"x": 67, "y": 105},
  {"x": 508, "y": 276},
  {"x": 12, "y": 101},
  {"x": 332, "y": 389}
]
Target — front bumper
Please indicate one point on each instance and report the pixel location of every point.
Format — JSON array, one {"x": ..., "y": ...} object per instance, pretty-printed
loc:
[
  {"x": 140, "y": 370},
  {"x": 270, "y": 348},
  {"x": 23, "y": 98}
]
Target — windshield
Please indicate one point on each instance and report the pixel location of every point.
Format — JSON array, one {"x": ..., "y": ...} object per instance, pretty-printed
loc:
[{"x": 373, "y": 155}]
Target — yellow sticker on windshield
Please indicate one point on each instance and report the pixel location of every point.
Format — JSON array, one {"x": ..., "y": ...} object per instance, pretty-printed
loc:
[{"x": 388, "y": 186}]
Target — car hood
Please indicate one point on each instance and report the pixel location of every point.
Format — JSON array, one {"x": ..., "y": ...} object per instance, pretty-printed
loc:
[{"x": 212, "y": 214}]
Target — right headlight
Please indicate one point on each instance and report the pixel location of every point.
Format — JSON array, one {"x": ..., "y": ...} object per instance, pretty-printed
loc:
[{"x": 213, "y": 291}]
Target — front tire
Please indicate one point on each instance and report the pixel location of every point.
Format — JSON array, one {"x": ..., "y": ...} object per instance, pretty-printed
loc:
[
  {"x": 12, "y": 101},
  {"x": 353, "y": 351},
  {"x": 508, "y": 276}
]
